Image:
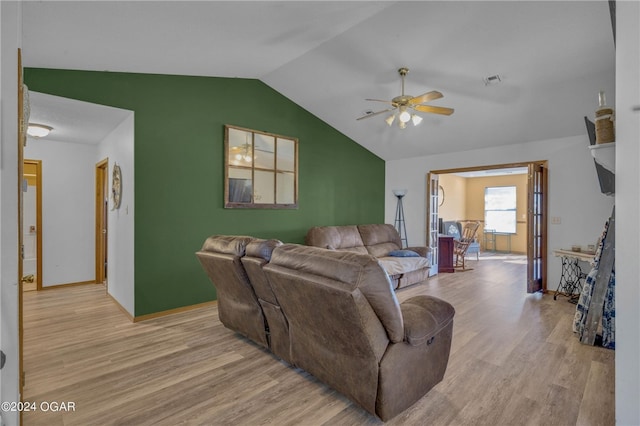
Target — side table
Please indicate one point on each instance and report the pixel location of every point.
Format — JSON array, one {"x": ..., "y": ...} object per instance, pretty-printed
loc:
[
  {"x": 570, "y": 284},
  {"x": 445, "y": 253}
]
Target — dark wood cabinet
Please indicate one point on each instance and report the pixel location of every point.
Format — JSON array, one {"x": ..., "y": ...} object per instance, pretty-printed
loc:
[{"x": 445, "y": 253}]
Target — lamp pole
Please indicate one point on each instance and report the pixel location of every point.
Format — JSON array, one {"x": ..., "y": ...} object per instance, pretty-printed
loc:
[{"x": 400, "y": 223}]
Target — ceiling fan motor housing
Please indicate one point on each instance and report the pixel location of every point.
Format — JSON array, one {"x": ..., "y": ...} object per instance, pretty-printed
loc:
[{"x": 401, "y": 100}]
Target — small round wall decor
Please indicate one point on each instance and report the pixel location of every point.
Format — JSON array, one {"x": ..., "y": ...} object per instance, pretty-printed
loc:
[
  {"x": 440, "y": 195},
  {"x": 116, "y": 187}
]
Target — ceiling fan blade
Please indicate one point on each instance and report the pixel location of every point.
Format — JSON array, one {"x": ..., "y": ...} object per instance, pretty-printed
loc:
[
  {"x": 379, "y": 100},
  {"x": 425, "y": 97},
  {"x": 242, "y": 147},
  {"x": 433, "y": 109},
  {"x": 375, "y": 113}
]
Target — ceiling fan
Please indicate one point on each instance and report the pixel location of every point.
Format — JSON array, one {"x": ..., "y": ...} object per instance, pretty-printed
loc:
[
  {"x": 401, "y": 105},
  {"x": 247, "y": 152}
]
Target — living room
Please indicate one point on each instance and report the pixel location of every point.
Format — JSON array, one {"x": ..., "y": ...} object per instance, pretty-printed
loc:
[{"x": 175, "y": 165}]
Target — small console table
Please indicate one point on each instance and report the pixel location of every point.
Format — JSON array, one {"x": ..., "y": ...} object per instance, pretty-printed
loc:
[{"x": 570, "y": 284}]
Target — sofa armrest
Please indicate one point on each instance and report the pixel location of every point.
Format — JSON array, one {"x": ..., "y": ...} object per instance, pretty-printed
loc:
[
  {"x": 424, "y": 317},
  {"x": 422, "y": 251},
  {"x": 409, "y": 369}
]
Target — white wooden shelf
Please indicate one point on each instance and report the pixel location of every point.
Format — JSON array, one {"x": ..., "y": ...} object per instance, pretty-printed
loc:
[{"x": 605, "y": 155}]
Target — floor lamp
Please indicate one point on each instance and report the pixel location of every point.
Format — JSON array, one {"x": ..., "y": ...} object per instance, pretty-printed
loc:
[{"x": 399, "y": 224}]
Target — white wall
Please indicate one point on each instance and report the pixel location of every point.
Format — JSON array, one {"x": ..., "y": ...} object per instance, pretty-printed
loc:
[
  {"x": 574, "y": 191},
  {"x": 118, "y": 148},
  {"x": 454, "y": 205},
  {"x": 627, "y": 208},
  {"x": 9, "y": 43},
  {"x": 68, "y": 210}
]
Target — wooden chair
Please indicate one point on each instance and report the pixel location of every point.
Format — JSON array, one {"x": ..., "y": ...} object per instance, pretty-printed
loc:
[{"x": 461, "y": 245}]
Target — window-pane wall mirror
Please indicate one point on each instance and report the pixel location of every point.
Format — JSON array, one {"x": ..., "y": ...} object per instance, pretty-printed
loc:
[{"x": 261, "y": 169}]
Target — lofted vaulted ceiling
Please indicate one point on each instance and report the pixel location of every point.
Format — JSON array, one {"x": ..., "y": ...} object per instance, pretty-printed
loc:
[{"x": 553, "y": 57}]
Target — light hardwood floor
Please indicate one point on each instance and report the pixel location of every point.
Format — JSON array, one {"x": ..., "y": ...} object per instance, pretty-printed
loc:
[{"x": 514, "y": 361}]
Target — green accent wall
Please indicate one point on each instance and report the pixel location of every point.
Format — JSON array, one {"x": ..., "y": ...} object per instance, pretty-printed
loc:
[{"x": 179, "y": 170}]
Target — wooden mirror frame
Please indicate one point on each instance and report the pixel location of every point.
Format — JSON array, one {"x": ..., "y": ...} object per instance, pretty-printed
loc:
[{"x": 260, "y": 169}]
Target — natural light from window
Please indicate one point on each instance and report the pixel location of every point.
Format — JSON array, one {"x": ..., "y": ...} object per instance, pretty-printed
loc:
[{"x": 500, "y": 209}]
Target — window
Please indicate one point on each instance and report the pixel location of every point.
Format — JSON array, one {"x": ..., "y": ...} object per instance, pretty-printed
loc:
[
  {"x": 261, "y": 169},
  {"x": 500, "y": 209}
]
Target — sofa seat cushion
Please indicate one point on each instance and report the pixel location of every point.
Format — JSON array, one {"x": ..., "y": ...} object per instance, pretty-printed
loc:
[
  {"x": 402, "y": 265},
  {"x": 359, "y": 249}
]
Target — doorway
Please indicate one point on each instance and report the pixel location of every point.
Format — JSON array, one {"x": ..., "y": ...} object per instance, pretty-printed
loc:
[
  {"x": 61, "y": 163},
  {"x": 102, "y": 208},
  {"x": 32, "y": 225},
  {"x": 530, "y": 219}
]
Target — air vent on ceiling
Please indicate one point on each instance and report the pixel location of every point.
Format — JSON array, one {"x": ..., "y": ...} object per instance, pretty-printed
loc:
[{"x": 492, "y": 79}]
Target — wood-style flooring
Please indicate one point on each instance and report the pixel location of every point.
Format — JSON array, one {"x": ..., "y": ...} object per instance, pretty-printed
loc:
[{"x": 514, "y": 361}]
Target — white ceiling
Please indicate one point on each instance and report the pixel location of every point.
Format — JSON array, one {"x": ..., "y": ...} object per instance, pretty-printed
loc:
[
  {"x": 553, "y": 57},
  {"x": 72, "y": 120}
]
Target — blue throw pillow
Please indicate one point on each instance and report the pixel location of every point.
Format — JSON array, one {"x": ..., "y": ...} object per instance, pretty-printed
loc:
[{"x": 403, "y": 253}]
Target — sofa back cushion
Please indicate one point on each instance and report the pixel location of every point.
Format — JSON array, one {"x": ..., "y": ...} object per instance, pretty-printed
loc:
[
  {"x": 341, "y": 311},
  {"x": 380, "y": 239},
  {"x": 238, "y": 306},
  {"x": 351, "y": 273},
  {"x": 258, "y": 254},
  {"x": 235, "y": 245},
  {"x": 340, "y": 238}
]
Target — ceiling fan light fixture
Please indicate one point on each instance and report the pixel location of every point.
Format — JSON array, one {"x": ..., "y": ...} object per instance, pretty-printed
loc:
[
  {"x": 402, "y": 124},
  {"x": 38, "y": 130},
  {"x": 404, "y": 115},
  {"x": 416, "y": 119},
  {"x": 390, "y": 119}
]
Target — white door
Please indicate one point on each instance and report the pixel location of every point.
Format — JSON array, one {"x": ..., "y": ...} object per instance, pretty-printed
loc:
[{"x": 432, "y": 220}]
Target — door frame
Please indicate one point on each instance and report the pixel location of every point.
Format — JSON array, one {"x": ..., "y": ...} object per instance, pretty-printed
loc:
[
  {"x": 22, "y": 140},
  {"x": 432, "y": 221},
  {"x": 543, "y": 213},
  {"x": 101, "y": 223},
  {"x": 38, "y": 165},
  {"x": 537, "y": 202}
]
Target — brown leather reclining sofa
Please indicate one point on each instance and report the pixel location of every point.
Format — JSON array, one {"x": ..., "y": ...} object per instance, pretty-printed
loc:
[
  {"x": 378, "y": 240},
  {"x": 334, "y": 314}
]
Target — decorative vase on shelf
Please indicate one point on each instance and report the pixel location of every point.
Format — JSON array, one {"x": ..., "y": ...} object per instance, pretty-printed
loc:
[{"x": 605, "y": 121}]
